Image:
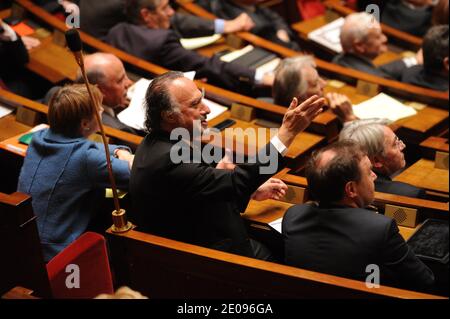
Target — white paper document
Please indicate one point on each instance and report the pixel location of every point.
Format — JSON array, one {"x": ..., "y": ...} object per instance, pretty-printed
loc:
[
  {"x": 5, "y": 110},
  {"x": 134, "y": 114},
  {"x": 269, "y": 66},
  {"x": 196, "y": 43},
  {"x": 329, "y": 35},
  {"x": 276, "y": 224},
  {"x": 384, "y": 107}
]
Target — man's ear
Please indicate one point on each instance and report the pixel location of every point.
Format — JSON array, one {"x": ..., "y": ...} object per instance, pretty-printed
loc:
[
  {"x": 168, "y": 117},
  {"x": 377, "y": 161},
  {"x": 147, "y": 16},
  {"x": 359, "y": 47},
  {"x": 350, "y": 190},
  {"x": 446, "y": 64}
]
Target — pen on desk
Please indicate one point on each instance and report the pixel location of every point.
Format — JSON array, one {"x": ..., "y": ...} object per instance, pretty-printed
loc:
[{"x": 15, "y": 148}]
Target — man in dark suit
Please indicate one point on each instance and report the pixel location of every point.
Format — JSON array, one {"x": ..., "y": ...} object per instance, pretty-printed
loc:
[
  {"x": 149, "y": 37},
  {"x": 267, "y": 23},
  {"x": 13, "y": 54},
  {"x": 98, "y": 17},
  {"x": 385, "y": 151},
  {"x": 362, "y": 41},
  {"x": 433, "y": 74},
  {"x": 338, "y": 235},
  {"x": 14, "y": 76},
  {"x": 411, "y": 16},
  {"x": 177, "y": 194}
]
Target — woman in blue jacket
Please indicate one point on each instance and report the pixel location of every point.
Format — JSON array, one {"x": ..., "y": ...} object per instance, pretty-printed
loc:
[{"x": 65, "y": 173}]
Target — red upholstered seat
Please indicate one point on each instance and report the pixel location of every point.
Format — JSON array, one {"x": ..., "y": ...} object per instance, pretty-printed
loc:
[
  {"x": 88, "y": 254},
  {"x": 310, "y": 8}
]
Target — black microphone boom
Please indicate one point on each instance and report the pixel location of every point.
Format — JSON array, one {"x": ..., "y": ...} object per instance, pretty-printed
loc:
[{"x": 75, "y": 45}]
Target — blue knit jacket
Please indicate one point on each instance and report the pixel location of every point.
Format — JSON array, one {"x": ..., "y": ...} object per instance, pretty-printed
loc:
[{"x": 66, "y": 178}]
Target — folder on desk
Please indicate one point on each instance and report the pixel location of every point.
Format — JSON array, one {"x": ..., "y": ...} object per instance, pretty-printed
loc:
[
  {"x": 26, "y": 138},
  {"x": 250, "y": 57}
]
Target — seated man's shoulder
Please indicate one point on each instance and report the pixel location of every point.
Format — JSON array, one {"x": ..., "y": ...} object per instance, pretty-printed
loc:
[
  {"x": 140, "y": 32},
  {"x": 340, "y": 58}
]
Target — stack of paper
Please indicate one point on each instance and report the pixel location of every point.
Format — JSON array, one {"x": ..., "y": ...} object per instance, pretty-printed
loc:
[
  {"x": 383, "y": 106},
  {"x": 329, "y": 35}
]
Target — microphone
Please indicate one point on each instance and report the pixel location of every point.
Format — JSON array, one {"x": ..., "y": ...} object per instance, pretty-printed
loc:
[
  {"x": 75, "y": 45},
  {"x": 119, "y": 216}
]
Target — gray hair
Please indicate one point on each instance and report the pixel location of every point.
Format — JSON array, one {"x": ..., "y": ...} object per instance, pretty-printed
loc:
[
  {"x": 289, "y": 79},
  {"x": 356, "y": 28},
  {"x": 369, "y": 134}
]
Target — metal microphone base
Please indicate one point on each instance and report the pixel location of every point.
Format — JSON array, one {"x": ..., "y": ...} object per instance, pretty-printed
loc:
[{"x": 121, "y": 224}]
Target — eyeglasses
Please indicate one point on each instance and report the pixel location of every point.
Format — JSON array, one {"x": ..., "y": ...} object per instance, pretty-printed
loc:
[{"x": 399, "y": 143}]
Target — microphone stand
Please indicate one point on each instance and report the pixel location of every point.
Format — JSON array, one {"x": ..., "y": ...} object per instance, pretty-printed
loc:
[{"x": 120, "y": 222}]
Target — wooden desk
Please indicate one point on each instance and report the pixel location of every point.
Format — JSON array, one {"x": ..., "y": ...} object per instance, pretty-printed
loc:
[
  {"x": 423, "y": 174},
  {"x": 12, "y": 145},
  {"x": 9, "y": 127},
  {"x": 434, "y": 144},
  {"x": 5, "y": 13},
  {"x": 53, "y": 62}
]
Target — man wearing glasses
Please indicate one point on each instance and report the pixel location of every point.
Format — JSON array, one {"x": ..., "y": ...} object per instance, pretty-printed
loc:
[{"x": 385, "y": 151}]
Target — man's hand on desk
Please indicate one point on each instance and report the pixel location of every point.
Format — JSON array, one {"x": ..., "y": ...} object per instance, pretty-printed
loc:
[
  {"x": 298, "y": 117},
  {"x": 30, "y": 42},
  {"x": 242, "y": 23},
  {"x": 283, "y": 35},
  {"x": 274, "y": 188},
  {"x": 341, "y": 106}
]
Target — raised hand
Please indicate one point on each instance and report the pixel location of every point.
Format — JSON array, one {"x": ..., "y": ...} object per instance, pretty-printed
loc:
[{"x": 298, "y": 117}]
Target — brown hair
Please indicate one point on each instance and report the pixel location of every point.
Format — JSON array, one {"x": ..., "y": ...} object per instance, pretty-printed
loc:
[
  {"x": 68, "y": 106},
  {"x": 326, "y": 184}
]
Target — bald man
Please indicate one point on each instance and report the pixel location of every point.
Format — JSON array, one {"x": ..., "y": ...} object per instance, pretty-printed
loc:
[
  {"x": 362, "y": 41},
  {"x": 338, "y": 235},
  {"x": 108, "y": 72}
]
